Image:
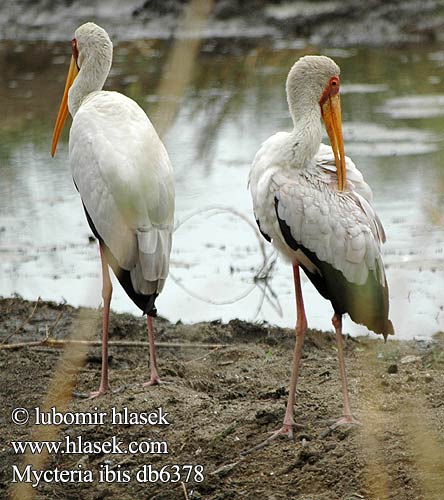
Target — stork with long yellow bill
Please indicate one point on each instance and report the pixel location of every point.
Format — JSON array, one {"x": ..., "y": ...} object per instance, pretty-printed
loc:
[
  {"x": 125, "y": 180},
  {"x": 313, "y": 204}
]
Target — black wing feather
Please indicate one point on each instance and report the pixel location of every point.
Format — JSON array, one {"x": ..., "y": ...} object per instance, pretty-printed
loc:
[
  {"x": 265, "y": 235},
  {"x": 143, "y": 302},
  {"x": 366, "y": 304}
]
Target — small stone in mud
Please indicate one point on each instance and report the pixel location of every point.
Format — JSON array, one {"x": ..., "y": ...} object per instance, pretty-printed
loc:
[
  {"x": 410, "y": 359},
  {"x": 428, "y": 378},
  {"x": 392, "y": 369}
]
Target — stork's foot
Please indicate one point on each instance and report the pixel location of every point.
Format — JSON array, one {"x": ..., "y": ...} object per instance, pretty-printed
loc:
[
  {"x": 154, "y": 380},
  {"x": 345, "y": 420},
  {"x": 286, "y": 431},
  {"x": 101, "y": 392}
]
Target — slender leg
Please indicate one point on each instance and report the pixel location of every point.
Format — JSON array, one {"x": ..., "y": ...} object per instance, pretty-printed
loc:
[
  {"x": 107, "y": 290},
  {"x": 301, "y": 328},
  {"x": 347, "y": 418},
  {"x": 154, "y": 380}
]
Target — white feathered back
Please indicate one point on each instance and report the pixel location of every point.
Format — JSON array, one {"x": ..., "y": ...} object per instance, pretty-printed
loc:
[
  {"x": 129, "y": 197},
  {"x": 348, "y": 237}
]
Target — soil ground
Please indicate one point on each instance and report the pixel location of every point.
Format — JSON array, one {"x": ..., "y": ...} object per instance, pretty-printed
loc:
[{"x": 222, "y": 400}]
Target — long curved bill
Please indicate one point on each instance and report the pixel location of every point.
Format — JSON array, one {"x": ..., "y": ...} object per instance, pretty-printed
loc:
[
  {"x": 331, "y": 114},
  {"x": 63, "y": 110}
]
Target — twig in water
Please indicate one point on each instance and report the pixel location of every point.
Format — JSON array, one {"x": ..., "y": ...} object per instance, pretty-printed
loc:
[
  {"x": 261, "y": 274},
  {"x": 208, "y": 301},
  {"x": 261, "y": 300}
]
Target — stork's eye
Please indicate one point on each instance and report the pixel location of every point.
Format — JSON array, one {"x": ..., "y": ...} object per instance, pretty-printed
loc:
[
  {"x": 331, "y": 89},
  {"x": 75, "y": 50}
]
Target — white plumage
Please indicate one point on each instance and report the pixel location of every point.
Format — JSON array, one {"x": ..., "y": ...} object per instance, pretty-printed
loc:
[
  {"x": 341, "y": 228},
  {"x": 130, "y": 198},
  {"x": 125, "y": 180},
  {"x": 313, "y": 204}
]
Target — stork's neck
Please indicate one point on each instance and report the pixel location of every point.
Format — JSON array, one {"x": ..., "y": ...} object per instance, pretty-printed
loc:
[
  {"x": 306, "y": 135},
  {"x": 92, "y": 75}
]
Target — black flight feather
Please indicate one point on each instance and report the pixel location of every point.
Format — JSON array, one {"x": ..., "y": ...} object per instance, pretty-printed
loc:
[
  {"x": 366, "y": 304},
  {"x": 143, "y": 302}
]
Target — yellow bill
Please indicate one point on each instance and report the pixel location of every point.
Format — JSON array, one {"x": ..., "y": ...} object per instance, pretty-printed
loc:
[
  {"x": 63, "y": 110},
  {"x": 331, "y": 114}
]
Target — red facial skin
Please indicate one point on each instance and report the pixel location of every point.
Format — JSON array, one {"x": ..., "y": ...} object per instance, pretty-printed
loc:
[
  {"x": 331, "y": 89},
  {"x": 75, "y": 51}
]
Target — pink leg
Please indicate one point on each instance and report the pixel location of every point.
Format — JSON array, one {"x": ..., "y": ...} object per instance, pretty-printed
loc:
[
  {"x": 347, "y": 418},
  {"x": 107, "y": 290},
  {"x": 301, "y": 328},
  {"x": 154, "y": 380}
]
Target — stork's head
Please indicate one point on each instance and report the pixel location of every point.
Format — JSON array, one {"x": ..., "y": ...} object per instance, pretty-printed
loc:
[
  {"x": 313, "y": 82},
  {"x": 91, "y": 47},
  {"x": 92, "y": 42}
]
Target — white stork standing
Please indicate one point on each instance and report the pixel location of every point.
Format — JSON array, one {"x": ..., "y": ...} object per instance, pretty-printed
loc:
[
  {"x": 125, "y": 180},
  {"x": 311, "y": 201}
]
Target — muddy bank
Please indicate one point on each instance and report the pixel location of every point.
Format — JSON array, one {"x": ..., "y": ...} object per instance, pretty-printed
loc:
[
  {"x": 329, "y": 23},
  {"x": 225, "y": 397}
]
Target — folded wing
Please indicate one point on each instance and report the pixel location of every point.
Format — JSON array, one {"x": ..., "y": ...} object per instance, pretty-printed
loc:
[{"x": 129, "y": 199}]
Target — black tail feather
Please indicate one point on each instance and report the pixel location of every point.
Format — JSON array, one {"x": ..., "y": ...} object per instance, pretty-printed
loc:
[{"x": 144, "y": 302}]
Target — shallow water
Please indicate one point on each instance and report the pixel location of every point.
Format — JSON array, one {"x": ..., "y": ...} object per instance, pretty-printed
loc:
[{"x": 392, "y": 102}]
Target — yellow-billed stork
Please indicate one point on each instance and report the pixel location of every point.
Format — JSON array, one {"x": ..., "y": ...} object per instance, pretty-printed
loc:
[
  {"x": 313, "y": 204},
  {"x": 125, "y": 180}
]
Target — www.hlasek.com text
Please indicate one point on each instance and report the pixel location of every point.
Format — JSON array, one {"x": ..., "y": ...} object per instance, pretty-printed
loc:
[{"x": 81, "y": 446}]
